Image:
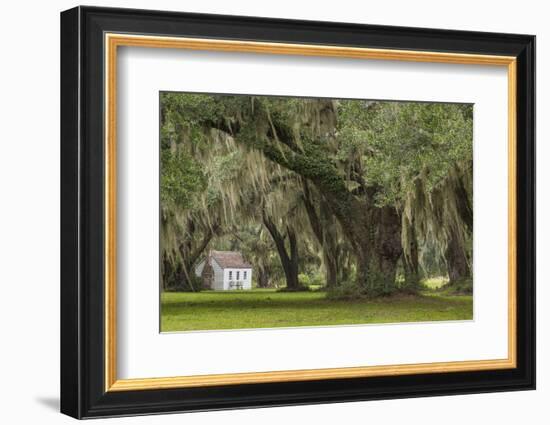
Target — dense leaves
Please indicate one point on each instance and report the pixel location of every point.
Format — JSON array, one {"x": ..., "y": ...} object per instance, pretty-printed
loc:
[{"x": 182, "y": 179}]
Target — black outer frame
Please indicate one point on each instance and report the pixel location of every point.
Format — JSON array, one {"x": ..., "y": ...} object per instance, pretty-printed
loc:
[{"x": 82, "y": 212}]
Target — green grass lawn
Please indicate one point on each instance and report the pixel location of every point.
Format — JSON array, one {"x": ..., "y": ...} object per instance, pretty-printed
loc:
[{"x": 266, "y": 308}]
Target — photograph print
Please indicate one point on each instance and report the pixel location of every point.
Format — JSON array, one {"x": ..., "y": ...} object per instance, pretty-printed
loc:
[{"x": 293, "y": 211}]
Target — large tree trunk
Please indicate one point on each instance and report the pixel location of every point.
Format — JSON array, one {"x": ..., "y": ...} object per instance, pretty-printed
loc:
[
  {"x": 378, "y": 252},
  {"x": 169, "y": 274},
  {"x": 457, "y": 263},
  {"x": 375, "y": 235},
  {"x": 291, "y": 271},
  {"x": 263, "y": 277},
  {"x": 410, "y": 255},
  {"x": 323, "y": 229},
  {"x": 331, "y": 269},
  {"x": 289, "y": 261}
]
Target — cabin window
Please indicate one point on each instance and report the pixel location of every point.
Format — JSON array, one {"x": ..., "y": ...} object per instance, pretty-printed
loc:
[
  {"x": 230, "y": 275},
  {"x": 244, "y": 275},
  {"x": 238, "y": 275}
]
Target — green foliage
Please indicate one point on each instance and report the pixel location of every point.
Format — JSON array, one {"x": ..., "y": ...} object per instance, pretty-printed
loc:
[
  {"x": 311, "y": 279},
  {"x": 182, "y": 111},
  {"x": 348, "y": 290},
  {"x": 458, "y": 287},
  {"x": 434, "y": 282},
  {"x": 398, "y": 142},
  {"x": 181, "y": 180}
]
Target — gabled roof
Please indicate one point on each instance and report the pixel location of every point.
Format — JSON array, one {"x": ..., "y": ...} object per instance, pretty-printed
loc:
[{"x": 230, "y": 260}]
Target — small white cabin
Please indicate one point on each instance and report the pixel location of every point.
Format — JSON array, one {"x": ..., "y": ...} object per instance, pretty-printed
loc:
[{"x": 225, "y": 271}]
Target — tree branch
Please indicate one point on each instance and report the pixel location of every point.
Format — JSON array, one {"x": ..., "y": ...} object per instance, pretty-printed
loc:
[{"x": 314, "y": 219}]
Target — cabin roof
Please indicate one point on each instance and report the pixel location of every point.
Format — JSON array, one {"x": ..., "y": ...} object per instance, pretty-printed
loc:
[{"x": 230, "y": 260}]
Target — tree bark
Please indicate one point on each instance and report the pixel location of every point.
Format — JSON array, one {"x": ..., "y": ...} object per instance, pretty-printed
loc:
[
  {"x": 331, "y": 269},
  {"x": 457, "y": 263},
  {"x": 323, "y": 231},
  {"x": 378, "y": 252},
  {"x": 263, "y": 277},
  {"x": 168, "y": 277},
  {"x": 292, "y": 272},
  {"x": 289, "y": 261},
  {"x": 410, "y": 256}
]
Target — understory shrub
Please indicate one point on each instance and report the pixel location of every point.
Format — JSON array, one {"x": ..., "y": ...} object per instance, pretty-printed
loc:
[
  {"x": 348, "y": 290},
  {"x": 458, "y": 287}
]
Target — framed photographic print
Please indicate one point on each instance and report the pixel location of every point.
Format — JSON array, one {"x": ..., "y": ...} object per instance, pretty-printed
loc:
[{"x": 261, "y": 212}]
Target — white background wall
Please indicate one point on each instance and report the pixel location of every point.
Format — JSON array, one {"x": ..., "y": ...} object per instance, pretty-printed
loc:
[{"x": 29, "y": 214}]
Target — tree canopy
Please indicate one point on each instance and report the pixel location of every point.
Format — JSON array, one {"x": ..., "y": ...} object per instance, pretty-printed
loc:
[{"x": 370, "y": 193}]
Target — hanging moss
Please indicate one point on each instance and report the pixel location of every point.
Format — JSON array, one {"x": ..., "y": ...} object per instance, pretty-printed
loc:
[{"x": 363, "y": 157}]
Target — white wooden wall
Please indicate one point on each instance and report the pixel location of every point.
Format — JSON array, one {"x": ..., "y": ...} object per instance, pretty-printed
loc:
[
  {"x": 221, "y": 276},
  {"x": 218, "y": 283},
  {"x": 247, "y": 283}
]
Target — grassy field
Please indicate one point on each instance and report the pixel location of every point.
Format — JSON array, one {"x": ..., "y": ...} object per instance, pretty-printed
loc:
[{"x": 266, "y": 308}]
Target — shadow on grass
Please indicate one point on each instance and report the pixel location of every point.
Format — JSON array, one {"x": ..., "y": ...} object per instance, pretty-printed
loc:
[{"x": 252, "y": 300}]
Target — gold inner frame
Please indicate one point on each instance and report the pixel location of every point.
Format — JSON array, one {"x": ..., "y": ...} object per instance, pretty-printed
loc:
[{"x": 113, "y": 41}]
